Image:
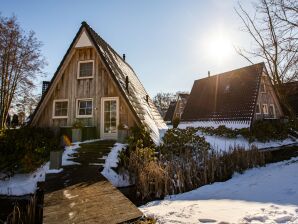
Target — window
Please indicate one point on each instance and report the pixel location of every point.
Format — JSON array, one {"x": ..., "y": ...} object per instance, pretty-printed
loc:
[
  {"x": 271, "y": 111},
  {"x": 227, "y": 89},
  {"x": 263, "y": 87},
  {"x": 85, "y": 69},
  {"x": 84, "y": 108},
  {"x": 60, "y": 108},
  {"x": 258, "y": 109},
  {"x": 265, "y": 109}
]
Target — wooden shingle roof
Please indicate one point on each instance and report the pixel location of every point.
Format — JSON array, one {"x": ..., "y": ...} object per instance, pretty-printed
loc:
[{"x": 228, "y": 96}]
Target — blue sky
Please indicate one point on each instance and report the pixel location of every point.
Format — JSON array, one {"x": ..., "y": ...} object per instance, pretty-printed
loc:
[{"x": 167, "y": 42}]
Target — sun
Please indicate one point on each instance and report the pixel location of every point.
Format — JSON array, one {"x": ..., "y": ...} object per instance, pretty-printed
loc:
[{"x": 219, "y": 47}]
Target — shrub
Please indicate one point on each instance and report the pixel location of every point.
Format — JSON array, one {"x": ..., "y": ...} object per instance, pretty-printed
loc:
[
  {"x": 139, "y": 138},
  {"x": 176, "y": 122},
  {"x": 25, "y": 149},
  {"x": 177, "y": 141},
  {"x": 270, "y": 130}
]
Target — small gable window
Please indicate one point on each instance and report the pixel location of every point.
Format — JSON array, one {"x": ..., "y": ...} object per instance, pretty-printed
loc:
[
  {"x": 85, "y": 69},
  {"x": 263, "y": 87},
  {"x": 227, "y": 88},
  {"x": 265, "y": 109},
  {"x": 258, "y": 109},
  {"x": 84, "y": 107},
  {"x": 60, "y": 109}
]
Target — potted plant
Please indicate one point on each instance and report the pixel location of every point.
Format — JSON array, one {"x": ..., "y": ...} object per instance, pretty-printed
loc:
[
  {"x": 76, "y": 131},
  {"x": 122, "y": 132}
]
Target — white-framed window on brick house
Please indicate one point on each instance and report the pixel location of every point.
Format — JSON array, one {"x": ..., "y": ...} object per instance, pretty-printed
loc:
[
  {"x": 258, "y": 109},
  {"x": 265, "y": 108},
  {"x": 272, "y": 111},
  {"x": 85, "y": 69},
  {"x": 60, "y": 108},
  {"x": 84, "y": 108}
]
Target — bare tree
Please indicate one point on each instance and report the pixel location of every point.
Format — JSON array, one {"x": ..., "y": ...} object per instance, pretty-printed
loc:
[
  {"x": 162, "y": 101},
  {"x": 20, "y": 63},
  {"x": 287, "y": 11},
  {"x": 274, "y": 43}
]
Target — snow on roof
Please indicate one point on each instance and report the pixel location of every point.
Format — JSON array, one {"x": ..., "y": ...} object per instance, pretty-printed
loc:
[{"x": 136, "y": 94}]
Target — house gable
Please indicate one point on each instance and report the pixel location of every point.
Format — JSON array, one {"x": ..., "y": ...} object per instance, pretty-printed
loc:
[
  {"x": 134, "y": 98},
  {"x": 267, "y": 100},
  {"x": 83, "y": 41}
]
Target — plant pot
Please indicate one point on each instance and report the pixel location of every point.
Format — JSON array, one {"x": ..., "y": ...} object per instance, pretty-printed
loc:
[
  {"x": 76, "y": 135},
  {"x": 122, "y": 135}
]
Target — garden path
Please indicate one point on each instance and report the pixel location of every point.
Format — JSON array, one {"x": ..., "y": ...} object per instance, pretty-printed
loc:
[{"x": 80, "y": 194}]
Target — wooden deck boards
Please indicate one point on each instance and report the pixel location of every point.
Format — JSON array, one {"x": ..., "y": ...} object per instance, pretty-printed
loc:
[{"x": 80, "y": 194}]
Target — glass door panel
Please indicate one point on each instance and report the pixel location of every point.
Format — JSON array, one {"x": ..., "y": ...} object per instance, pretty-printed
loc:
[{"x": 110, "y": 116}]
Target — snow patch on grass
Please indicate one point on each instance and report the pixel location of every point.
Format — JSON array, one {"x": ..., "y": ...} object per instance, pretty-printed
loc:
[
  {"x": 118, "y": 180},
  {"x": 224, "y": 144},
  {"x": 260, "y": 195}
]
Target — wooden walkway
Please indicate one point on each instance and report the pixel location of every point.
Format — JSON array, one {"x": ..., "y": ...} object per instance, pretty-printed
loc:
[{"x": 80, "y": 194}]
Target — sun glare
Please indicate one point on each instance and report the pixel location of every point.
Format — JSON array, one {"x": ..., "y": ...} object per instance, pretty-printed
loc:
[{"x": 219, "y": 48}]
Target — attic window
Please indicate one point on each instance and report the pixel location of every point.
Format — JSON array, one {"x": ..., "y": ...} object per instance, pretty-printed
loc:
[
  {"x": 85, "y": 69},
  {"x": 227, "y": 88},
  {"x": 263, "y": 87}
]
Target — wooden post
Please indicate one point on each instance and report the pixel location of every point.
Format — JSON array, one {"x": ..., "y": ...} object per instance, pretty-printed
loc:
[{"x": 56, "y": 160}]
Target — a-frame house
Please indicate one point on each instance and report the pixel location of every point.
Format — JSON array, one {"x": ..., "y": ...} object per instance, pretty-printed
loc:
[{"x": 95, "y": 86}]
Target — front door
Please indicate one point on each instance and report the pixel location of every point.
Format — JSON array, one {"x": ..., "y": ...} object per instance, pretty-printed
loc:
[{"x": 109, "y": 117}]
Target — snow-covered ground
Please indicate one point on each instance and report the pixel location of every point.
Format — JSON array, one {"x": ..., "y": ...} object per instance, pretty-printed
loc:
[
  {"x": 223, "y": 143},
  {"x": 260, "y": 195},
  {"x": 118, "y": 180},
  {"x": 22, "y": 184},
  {"x": 215, "y": 124}
]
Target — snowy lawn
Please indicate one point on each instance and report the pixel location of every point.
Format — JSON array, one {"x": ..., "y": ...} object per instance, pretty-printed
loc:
[
  {"x": 260, "y": 195},
  {"x": 112, "y": 162},
  {"x": 22, "y": 184},
  {"x": 224, "y": 144}
]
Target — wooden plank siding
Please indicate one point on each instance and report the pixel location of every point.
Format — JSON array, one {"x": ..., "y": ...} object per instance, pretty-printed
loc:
[
  {"x": 71, "y": 88},
  {"x": 268, "y": 97}
]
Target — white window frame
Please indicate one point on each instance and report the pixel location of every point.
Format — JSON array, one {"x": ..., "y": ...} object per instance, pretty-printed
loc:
[
  {"x": 54, "y": 107},
  {"x": 260, "y": 111},
  {"x": 78, "y": 70},
  {"x": 274, "y": 113},
  {"x": 77, "y": 108},
  {"x": 266, "y": 105}
]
